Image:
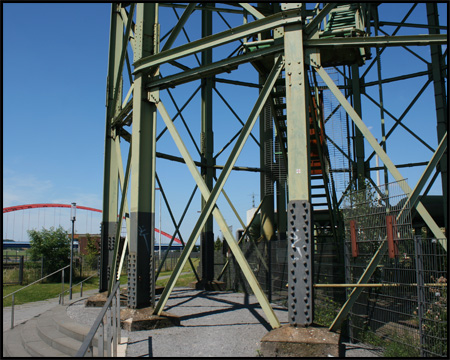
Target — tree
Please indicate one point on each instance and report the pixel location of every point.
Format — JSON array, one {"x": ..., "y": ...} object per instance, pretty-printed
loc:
[
  {"x": 218, "y": 244},
  {"x": 92, "y": 251},
  {"x": 52, "y": 245}
]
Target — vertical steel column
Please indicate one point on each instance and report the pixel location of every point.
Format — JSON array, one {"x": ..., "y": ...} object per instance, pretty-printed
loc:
[
  {"x": 438, "y": 75},
  {"x": 359, "y": 138},
  {"x": 110, "y": 177},
  {"x": 141, "y": 266},
  {"x": 266, "y": 186},
  {"x": 207, "y": 151},
  {"x": 300, "y": 299},
  {"x": 266, "y": 162}
]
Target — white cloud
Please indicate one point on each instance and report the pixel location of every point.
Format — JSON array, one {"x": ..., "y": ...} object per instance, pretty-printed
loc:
[{"x": 19, "y": 189}]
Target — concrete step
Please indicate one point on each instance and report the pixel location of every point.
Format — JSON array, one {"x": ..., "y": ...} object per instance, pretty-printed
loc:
[
  {"x": 51, "y": 334},
  {"x": 34, "y": 344},
  {"x": 12, "y": 343}
]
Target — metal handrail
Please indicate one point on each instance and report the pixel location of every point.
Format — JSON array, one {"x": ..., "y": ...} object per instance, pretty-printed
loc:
[
  {"x": 86, "y": 347},
  {"x": 36, "y": 281},
  {"x": 14, "y": 292},
  {"x": 81, "y": 289}
]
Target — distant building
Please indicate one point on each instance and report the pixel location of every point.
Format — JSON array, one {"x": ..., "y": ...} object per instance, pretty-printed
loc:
[{"x": 83, "y": 241}]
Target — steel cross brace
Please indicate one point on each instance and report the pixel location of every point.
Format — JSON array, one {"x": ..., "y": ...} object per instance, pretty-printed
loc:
[
  {"x": 211, "y": 198},
  {"x": 374, "y": 143}
]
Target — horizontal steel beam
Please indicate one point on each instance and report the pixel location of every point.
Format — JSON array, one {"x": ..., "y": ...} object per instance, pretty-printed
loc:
[
  {"x": 212, "y": 69},
  {"x": 372, "y": 41},
  {"x": 224, "y": 37},
  {"x": 199, "y": 164}
]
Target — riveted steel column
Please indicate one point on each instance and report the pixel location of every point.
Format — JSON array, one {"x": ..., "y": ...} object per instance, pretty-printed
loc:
[
  {"x": 438, "y": 75},
  {"x": 300, "y": 299},
  {"x": 110, "y": 177},
  {"x": 141, "y": 266},
  {"x": 207, "y": 150}
]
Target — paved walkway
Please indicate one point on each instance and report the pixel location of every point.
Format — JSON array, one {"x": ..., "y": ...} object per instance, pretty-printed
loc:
[
  {"x": 219, "y": 324},
  {"x": 28, "y": 311}
]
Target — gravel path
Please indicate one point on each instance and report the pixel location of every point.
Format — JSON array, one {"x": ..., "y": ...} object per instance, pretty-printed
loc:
[{"x": 213, "y": 324}]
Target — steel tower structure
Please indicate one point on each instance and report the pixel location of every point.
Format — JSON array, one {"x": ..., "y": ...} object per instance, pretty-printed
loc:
[{"x": 291, "y": 47}]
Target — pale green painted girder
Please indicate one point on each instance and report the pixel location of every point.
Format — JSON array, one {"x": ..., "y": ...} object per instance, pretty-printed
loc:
[
  {"x": 385, "y": 41},
  {"x": 257, "y": 26},
  {"x": 212, "y": 198},
  {"x": 123, "y": 204},
  {"x": 214, "y": 68},
  {"x": 178, "y": 27}
]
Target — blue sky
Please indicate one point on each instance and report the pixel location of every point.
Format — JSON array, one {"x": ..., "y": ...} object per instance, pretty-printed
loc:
[{"x": 54, "y": 79}]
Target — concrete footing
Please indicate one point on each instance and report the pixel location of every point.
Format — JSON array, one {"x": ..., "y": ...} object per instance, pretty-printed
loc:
[
  {"x": 98, "y": 300},
  {"x": 290, "y": 341},
  {"x": 208, "y": 285},
  {"x": 144, "y": 319}
]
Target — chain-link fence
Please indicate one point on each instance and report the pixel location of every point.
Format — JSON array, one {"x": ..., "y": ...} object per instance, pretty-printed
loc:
[{"x": 404, "y": 309}]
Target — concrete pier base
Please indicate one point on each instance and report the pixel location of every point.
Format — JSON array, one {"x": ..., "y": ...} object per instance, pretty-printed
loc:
[
  {"x": 98, "y": 300},
  {"x": 290, "y": 341},
  {"x": 208, "y": 285},
  {"x": 144, "y": 319}
]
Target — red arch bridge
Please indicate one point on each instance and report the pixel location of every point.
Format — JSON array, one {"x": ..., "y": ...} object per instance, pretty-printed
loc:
[{"x": 20, "y": 223}]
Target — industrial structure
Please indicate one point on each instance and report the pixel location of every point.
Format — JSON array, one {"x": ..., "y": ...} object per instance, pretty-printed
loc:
[{"x": 316, "y": 66}]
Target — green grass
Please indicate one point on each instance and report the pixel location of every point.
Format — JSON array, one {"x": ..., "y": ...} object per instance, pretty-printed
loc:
[{"x": 39, "y": 292}]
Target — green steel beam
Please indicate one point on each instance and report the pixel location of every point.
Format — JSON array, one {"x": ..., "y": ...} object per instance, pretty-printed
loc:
[
  {"x": 359, "y": 138},
  {"x": 110, "y": 177},
  {"x": 233, "y": 112},
  {"x": 178, "y": 27},
  {"x": 203, "y": 8},
  {"x": 373, "y": 142},
  {"x": 364, "y": 279},
  {"x": 415, "y": 194},
  {"x": 395, "y": 32},
  {"x": 372, "y": 41},
  {"x": 243, "y": 236},
  {"x": 176, "y": 226},
  {"x": 118, "y": 75},
  {"x": 214, "y": 68},
  {"x": 123, "y": 202},
  {"x": 251, "y": 10},
  {"x": 207, "y": 153},
  {"x": 268, "y": 23},
  {"x": 177, "y": 230},
  {"x": 398, "y": 121},
  {"x": 438, "y": 68},
  {"x": 212, "y": 197},
  {"x": 141, "y": 280},
  {"x": 122, "y": 185}
]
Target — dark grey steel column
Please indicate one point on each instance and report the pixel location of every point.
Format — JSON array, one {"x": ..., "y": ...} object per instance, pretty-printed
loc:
[
  {"x": 359, "y": 138},
  {"x": 300, "y": 297},
  {"x": 141, "y": 265},
  {"x": 266, "y": 164},
  {"x": 207, "y": 150},
  {"x": 438, "y": 75},
  {"x": 110, "y": 177}
]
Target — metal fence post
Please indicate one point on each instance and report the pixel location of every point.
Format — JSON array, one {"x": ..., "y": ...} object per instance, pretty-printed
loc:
[
  {"x": 81, "y": 290},
  {"x": 62, "y": 287},
  {"x": 101, "y": 343},
  {"x": 21, "y": 270},
  {"x": 108, "y": 332},
  {"x": 114, "y": 325},
  {"x": 420, "y": 289},
  {"x": 119, "y": 335},
  {"x": 12, "y": 311}
]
